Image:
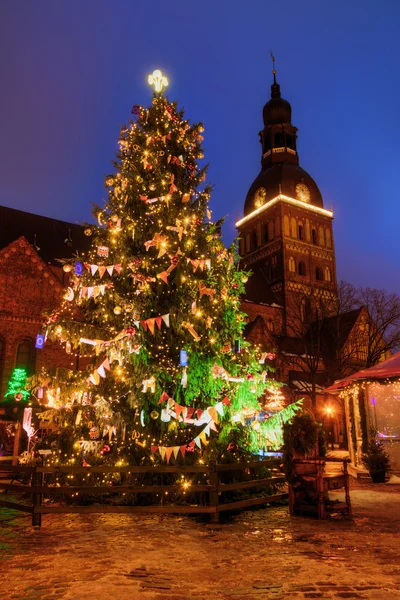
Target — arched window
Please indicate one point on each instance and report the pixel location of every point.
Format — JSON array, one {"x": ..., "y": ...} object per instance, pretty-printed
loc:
[
  {"x": 321, "y": 236},
  {"x": 307, "y": 230},
  {"x": 277, "y": 226},
  {"x": 270, "y": 325},
  {"x": 319, "y": 276},
  {"x": 278, "y": 140},
  {"x": 300, "y": 231},
  {"x": 289, "y": 141},
  {"x": 286, "y": 228},
  {"x": 314, "y": 236},
  {"x": 293, "y": 227},
  {"x": 328, "y": 238},
  {"x": 301, "y": 268},
  {"x": 328, "y": 274},
  {"x": 270, "y": 230},
  {"x": 25, "y": 356},
  {"x": 292, "y": 265}
]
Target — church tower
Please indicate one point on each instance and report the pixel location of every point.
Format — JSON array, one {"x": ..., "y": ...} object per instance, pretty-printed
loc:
[{"x": 286, "y": 236}]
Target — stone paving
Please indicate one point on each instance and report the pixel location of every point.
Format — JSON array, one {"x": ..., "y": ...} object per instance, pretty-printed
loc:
[{"x": 256, "y": 555}]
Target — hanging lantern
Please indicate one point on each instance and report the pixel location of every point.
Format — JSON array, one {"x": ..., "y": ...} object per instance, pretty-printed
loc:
[{"x": 67, "y": 268}]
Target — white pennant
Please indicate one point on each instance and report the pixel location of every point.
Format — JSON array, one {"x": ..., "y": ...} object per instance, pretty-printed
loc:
[
  {"x": 102, "y": 289},
  {"x": 93, "y": 269},
  {"x": 101, "y": 371},
  {"x": 165, "y": 318},
  {"x": 110, "y": 269},
  {"x": 198, "y": 441},
  {"x": 220, "y": 408},
  {"x": 176, "y": 451},
  {"x": 90, "y": 291}
]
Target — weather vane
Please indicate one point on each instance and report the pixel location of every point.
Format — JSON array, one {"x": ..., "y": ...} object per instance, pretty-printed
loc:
[
  {"x": 273, "y": 64},
  {"x": 157, "y": 80}
]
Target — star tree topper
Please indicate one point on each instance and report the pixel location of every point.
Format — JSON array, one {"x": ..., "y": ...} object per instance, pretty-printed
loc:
[{"x": 158, "y": 80}]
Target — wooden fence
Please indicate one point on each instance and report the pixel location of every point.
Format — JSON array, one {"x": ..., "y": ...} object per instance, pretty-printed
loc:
[{"x": 38, "y": 489}]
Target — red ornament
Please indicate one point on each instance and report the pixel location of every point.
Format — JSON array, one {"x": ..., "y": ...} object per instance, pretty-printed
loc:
[
  {"x": 105, "y": 450},
  {"x": 18, "y": 397}
]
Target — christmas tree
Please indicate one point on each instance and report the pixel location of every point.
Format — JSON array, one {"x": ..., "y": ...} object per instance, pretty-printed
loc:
[
  {"x": 155, "y": 306},
  {"x": 16, "y": 389}
]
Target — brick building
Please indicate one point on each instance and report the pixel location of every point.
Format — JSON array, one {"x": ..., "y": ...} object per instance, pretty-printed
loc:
[{"x": 31, "y": 282}]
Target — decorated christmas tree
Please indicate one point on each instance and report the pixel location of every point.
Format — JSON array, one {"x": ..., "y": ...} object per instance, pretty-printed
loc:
[
  {"x": 155, "y": 307},
  {"x": 16, "y": 389}
]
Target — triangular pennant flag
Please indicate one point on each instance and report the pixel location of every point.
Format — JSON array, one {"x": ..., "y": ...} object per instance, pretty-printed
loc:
[
  {"x": 178, "y": 409},
  {"x": 110, "y": 269},
  {"x": 96, "y": 291},
  {"x": 144, "y": 324},
  {"x": 106, "y": 364},
  {"x": 201, "y": 265},
  {"x": 151, "y": 325},
  {"x": 90, "y": 292},
  {"x": 158, "y": 322},
  {"x": 87, "y": 266},
  {"x": 203, "y": 437},
  {"x": 212, "y": 426},
  {"x": 102, "y": 289},
  {"x": 154, "y": 448},
  {"x": 164, "y": 396},
  {"x": 226, "y": 401},
  {"x": 176, "y": 451},
  {"x": 101, "y": 371},
  {"x": 208, "y": 263},
  {"x": 163, "y": 276},
  {"x": 183, "y": 449},
  {"x": 165, "y": 318},
  {"x": 220, "y": 408},
  {"x": 83, "y": 291},
  {"x": 118, "y": 268},
  {"x": 168, "y": 452},
  {"x": 212, "y": 411},
  {"x": 190, "y": 412},
  {"x": 199, "y": 413},
  {"x": 197, "y": 441},
  {"x": 93, "y": 269},
  {"x": 170, "y": 402},
  {"x": 207, "y": 430},
  {"x": 102, "y": 270},
  {"x": 95, "y": 378},
  {"x": 161, "y": 450},
  {"x": 136, "y": 323}
]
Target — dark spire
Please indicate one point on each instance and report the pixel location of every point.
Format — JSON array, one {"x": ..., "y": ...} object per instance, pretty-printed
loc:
[{"x": 275, "y": 87}]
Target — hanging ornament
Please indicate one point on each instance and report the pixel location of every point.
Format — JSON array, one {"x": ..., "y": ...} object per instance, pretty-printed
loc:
[
  {"x": 105, "y": 450},
  {"x": 103, "y": 251},
  {"x": 135, "y": 434},
  {"x": 67, "y": 268},
  {"x": 117, "y": 310},
  {"x": 154, "y": 415},
  {"x": 68, "y": 348},
  {"x": 78, "y": 268},
  {"x": 88, "y": 231},
  {"x": 184, "y": 380},
  {"x": 94, "y": 432},
  {"x": 183, "y": 358}
]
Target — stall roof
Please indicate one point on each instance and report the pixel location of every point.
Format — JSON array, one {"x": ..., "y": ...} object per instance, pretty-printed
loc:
[{"x": 387, "y": 369}]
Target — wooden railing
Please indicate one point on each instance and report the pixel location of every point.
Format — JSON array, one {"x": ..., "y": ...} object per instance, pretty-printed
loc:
[{"x": 38, "y": 489}]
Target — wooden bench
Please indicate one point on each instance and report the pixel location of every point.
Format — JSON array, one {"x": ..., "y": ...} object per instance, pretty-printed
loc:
[{"x": 310, "y": 484}]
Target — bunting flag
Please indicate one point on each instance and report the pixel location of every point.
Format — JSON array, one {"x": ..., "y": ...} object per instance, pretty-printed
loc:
[
  {"x": 159, "y": 241},
  {"x": 198, "y": 263},
  {"x": 152, "y": 200},
  {"x": 94, "y": 291},
  {"x": 172, "y": 187},
  {"x": 186, "y": 413},
  {"x": 100, "y": 372},
  {"x": 178, "y": 228},
  {"x": 167, "y": 451},
  {"x": 152, "y": 322},
  {"x": 149, "y": 384}
]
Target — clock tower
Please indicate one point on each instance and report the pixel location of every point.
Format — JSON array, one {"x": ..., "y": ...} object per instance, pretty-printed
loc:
[{"x": 286, "y": 236}]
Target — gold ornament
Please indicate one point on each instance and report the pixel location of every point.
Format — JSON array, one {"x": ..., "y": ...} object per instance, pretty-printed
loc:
[
  {"x": 245, "y": 279},
  {"x": 154, "y": 414},
  {"x": 117, "y": 310},
  {"x": 67, "y": 268},
  {"x": 88, "y": 231}
]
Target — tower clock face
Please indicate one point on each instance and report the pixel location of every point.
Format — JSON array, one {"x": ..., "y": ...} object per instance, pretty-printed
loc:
[
  {"x": 260, "y": 197},
  {"x": 302, "y": 192}
]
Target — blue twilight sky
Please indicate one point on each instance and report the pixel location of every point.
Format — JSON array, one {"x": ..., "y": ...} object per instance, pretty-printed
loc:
[{"x": 71, "y": 70}]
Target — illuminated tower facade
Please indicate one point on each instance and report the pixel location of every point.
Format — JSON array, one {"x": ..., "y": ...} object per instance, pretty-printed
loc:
[{"x": 286, "y": 236}]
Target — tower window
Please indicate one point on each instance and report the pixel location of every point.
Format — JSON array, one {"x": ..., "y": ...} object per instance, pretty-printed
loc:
[
  {"x": 318, "y": 274},
  {"x": 289, "y": 141},
  {"x": 328, "y": 238},
  {"x": 278, "y": 140},
  {"x": 265, "y": 233},
  {"x": 328, "y": 274},
  {"x": 321, "y": 236},
  {"x": 271, "y": 230},
  {"x": 314, "y": 236},
  {"x": 301, "y": 268},
  {"x": 300, "y": 231},
  {"x": 270, "y": 325},
  {"x": 292, "y": 265},
  {"x": 293, "y": 227}
]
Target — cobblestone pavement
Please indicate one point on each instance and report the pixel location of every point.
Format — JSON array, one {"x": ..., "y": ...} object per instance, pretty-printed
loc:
[{"x": 256, "y": 555}]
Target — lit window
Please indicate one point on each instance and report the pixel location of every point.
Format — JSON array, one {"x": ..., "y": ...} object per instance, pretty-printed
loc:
[
  {"x": 292, "y": 265},
  {"x": 25, "y": 356},
  {"x": 328, "y": 274}
]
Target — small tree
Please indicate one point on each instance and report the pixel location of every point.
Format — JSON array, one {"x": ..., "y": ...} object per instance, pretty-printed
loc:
[{"x": 17, "y": 385}]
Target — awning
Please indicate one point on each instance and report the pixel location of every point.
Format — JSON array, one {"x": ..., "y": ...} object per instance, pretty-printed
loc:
[{"x": 388, "y": 369}]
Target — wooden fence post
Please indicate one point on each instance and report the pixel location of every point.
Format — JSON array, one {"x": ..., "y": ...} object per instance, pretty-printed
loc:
[
  {"x": 37, "y": 500},
  {"x": 17, "y": 438},
  {"x": 213, "y": 478}
]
